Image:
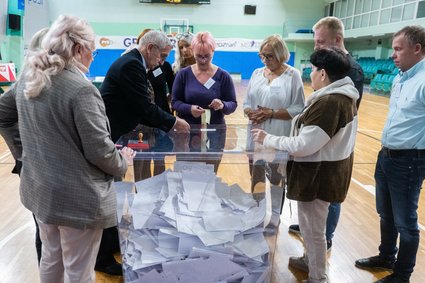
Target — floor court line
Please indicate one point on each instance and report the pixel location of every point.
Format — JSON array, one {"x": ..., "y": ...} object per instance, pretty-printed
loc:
[
  {"x": 5, "y": 155},
  {"x": 371, "y": 189},
  {"x": 374, "y": 102},
  {"x": 15, "y": 233}
]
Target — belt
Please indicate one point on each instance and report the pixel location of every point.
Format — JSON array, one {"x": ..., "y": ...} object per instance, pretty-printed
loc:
[{"x": 393, "y": 153}]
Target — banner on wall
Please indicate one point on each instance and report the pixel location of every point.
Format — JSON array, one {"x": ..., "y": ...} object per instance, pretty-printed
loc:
[
  {"x": 223, "y": 44},
  {"x": 7, "y": 73}
]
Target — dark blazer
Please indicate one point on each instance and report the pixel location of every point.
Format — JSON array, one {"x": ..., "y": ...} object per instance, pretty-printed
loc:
[
  {"x": 162, "y": 85},
  {"x": 126, "y": 98}
]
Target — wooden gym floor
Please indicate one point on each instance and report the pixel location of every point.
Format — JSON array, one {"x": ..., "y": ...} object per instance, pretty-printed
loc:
[{"x": 357, "y": 234}]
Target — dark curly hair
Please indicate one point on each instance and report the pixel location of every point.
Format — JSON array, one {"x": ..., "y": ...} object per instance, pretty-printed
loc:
[{"x": 333, "y": 60}]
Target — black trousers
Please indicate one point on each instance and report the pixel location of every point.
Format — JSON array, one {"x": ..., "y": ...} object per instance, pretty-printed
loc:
[{"x": 109, "y": 245}]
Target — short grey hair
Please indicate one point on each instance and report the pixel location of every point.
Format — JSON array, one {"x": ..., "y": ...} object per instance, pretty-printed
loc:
[
  {"x": 155, "y": 37},
  {"x": 414, "y": 35}
]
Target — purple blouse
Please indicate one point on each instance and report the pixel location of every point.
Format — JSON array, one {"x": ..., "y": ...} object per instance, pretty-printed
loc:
[{"x": 188, "y": 91}]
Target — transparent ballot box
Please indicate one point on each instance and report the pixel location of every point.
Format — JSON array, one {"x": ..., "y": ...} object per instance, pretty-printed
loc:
[{"x": 199, "y": 207}]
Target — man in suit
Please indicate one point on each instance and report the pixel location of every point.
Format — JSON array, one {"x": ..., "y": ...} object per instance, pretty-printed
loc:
[
  {"x": 129, "y": 101},
  {"x": 125, "y": 89}
]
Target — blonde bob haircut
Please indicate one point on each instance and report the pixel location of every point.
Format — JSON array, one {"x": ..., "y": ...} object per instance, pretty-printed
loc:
[{"x": 279, "y": 47}]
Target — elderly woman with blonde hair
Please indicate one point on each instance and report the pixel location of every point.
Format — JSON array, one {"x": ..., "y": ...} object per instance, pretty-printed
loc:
[
  {"x": 69, "y": 159},
  {"x": 274, "y": 96}
]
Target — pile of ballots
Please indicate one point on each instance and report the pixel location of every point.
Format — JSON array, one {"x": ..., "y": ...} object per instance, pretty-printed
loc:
[{"x": 187, "y": 225}]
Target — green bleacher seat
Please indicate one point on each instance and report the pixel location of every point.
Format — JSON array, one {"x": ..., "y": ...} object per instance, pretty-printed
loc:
[{"x": 375, "y": 81}]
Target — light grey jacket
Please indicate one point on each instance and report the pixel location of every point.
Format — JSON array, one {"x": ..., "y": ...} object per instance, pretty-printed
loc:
[{"x": 68, "y": 157}]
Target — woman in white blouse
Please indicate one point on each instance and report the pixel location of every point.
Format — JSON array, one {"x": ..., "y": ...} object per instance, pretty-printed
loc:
[{"x": 275, "y": 94}]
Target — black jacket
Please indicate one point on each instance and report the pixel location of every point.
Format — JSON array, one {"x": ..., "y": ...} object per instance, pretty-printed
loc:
[
  {"x": 160, "y": 84},
  {"x": 126, "y": 98}
]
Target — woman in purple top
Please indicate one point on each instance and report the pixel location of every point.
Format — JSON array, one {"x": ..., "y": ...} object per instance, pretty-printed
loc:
[{"x": 204, "y": 86}]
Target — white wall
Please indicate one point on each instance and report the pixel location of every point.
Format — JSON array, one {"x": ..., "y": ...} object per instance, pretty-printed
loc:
[
  {"x": 36, "y": 17},
  {"x": 219, "y": 12},
  {"x": 3, "y": 17}
]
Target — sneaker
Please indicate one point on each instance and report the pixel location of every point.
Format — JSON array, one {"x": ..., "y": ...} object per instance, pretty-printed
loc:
[
  {"x": 295, "y": 229},
  {"x": 375, "y": 262},
  {"x": 392, "y": 278},
  {"x": 298, "y": 263}
]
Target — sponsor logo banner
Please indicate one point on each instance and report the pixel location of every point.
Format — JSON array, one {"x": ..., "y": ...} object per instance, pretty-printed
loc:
[{"x": 223, "y": 44}]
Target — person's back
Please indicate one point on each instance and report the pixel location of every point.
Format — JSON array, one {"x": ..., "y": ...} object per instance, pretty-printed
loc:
[
  {"x": 44, "y": 124},
  {"x": 67, "y": 150},
  {"x": 357, "y": 76}
]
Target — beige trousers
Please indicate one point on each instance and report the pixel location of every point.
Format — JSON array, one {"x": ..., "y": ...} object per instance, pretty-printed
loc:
[
  {"x": 68, "y": 255},
  {"x": 312, "y": 217}
]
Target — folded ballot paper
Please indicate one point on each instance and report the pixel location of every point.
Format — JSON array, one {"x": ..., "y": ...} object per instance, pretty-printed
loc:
[{"x": 188, "y": 226}]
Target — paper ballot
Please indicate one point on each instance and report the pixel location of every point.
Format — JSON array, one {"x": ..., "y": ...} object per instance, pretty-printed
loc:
[{"x": 191, "y": 227}]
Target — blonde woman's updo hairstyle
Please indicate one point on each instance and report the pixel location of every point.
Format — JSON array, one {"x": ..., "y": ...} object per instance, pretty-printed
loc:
[
  {"x": 279, "y": 47},
  {"x": 58, "y": 50}
]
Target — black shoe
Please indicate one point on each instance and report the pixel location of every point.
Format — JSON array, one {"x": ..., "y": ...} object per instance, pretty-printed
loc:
[
  {"x": 375, "y": 262},
  {"x": 295, "y": 229},
  {"x": 328, "y": 245},
  {"x": 114, "y": 269},
  {"x": 393, "y": 278}
]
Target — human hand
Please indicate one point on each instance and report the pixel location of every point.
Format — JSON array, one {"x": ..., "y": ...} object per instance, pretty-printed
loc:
[
  {"x": 196, "y": 111},
  {"x": 181, "y": 126},
  {"x": 258, "y": 135},
  {"x": 216, "y": 104},
  {"x": 263, "y": 114},
  {"x": 128, "y": 154},
  {"x": 256, "y": 116},
  {"x": 180, "y": 141}
]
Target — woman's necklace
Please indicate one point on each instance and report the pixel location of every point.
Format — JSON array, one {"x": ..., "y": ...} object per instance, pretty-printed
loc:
[{"x": 271, "y": 75}]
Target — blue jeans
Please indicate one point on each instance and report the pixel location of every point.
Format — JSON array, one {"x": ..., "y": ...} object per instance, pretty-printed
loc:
[
  {"x": 398, "y": 185},
  {"x": 334, "y": 211}
]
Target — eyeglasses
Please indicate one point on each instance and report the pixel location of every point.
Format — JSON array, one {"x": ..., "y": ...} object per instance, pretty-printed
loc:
[
  {"x": 94, "y": 53},
  {"x": 264, "y": 56},
  {"x": 203, "y": 57},
  {"x": 187, "y": 36}
]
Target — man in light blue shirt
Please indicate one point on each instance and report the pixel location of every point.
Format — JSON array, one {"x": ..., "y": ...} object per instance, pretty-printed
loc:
[{"x": 400, "y": 169}]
